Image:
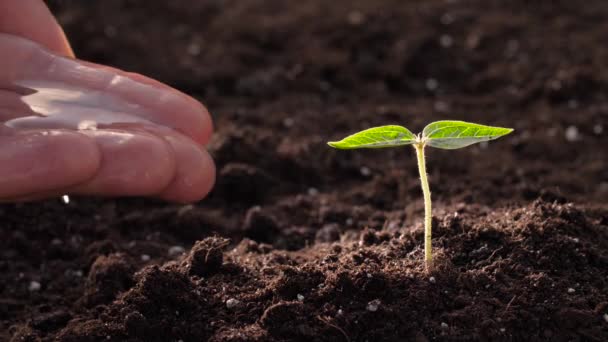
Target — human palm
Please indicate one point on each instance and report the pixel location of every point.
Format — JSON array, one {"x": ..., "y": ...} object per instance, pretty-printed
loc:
[{"x": 69, "y": 126}]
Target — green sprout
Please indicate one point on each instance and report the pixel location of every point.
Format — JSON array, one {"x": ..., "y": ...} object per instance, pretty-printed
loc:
[{"x": 448, "y": 135}]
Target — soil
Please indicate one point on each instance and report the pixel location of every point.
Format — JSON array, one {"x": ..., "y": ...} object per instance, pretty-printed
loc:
[{"x": 299, "y": 242}]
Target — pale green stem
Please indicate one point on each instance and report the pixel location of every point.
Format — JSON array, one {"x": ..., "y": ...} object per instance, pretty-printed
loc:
[{"x": 426, "y": 192}]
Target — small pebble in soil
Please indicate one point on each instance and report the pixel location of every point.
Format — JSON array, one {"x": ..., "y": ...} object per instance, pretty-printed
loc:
[
  {"x": 144, "y": 257},
  {"x": 572, "y": 133},
  {"x": 502, "y": 330},
  {"x": 288, "y": 122},
  {"x": 444, "y": 325},
  {"x": 176, "y": 250},
  {"x": 598, "y": 129},
  {"x": 432, "y": 280},
  {"x": 194, "y": 49},
  {"x": 340, "y": 313},
  {"x": 184, "y": 209},
  {"x": 313, "y": 191},
  {"x": 73, "y": 273},
  {"x": 446, "y": 41},
  {"x": 365, "y": 171},
  {"x": 356, "y": 18},
  {"x": 34, "y": 286},
  {"x": 441, "y": 106},
  {"x": 447, "y": 19},
  {"x": 110, "y": 31},
  {"x": 349, "y": 221},
  {"x": 431, "y": 84},
  {"x": 571, "y": 290},
  {"x": 606, "y": 318},
  {"x": 232, "y": 303},
  {"x": 65, "y": 199},
  {"x": 512, "y": 48},
  {"x": 300, "y": 297},
  {"x": 572, "y": 104},
  {"x": 373, "y": 305}
]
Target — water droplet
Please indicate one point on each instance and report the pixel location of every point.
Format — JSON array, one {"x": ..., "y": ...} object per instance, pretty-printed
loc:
[{"x": 87, "y": 125}]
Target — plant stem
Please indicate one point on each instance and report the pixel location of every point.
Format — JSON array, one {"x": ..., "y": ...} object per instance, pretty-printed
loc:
[{"x": 426, "y": 192}]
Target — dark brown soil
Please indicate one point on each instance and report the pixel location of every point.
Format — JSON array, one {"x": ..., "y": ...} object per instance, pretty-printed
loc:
[{"x": 299, "y": 242}]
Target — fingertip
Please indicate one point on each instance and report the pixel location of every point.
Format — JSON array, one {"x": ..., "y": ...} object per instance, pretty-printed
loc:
[
  {"x": 133, "y": 164},
  {"x": 195, "y": 173},
  {"x": 205, "y": 125}
]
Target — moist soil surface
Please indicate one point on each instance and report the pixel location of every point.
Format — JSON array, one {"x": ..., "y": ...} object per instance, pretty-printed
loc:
[{"x": 300, "y": 242}]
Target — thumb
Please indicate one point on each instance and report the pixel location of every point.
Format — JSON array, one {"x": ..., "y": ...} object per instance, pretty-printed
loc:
[{"x": 31, "y": 19}]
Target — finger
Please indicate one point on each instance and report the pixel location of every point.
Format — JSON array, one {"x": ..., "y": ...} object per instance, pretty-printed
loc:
[
  {"x": 39, "y": 161},
  {"x": 195, "y": 171},
  {"x": 190, "y": 180},
  {"x": 133, "y": 164},
  {"x": 32, "y": 19},
  {"x": 30, "y": 66}
]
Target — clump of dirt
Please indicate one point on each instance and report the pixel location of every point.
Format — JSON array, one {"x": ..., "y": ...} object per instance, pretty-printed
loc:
[
  {"x": 536, "y": 272},
  {"x": 302, "y": 242}
]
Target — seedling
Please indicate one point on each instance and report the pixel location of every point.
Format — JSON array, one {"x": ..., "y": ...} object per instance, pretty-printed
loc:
[{"x": 448, "y": 135}]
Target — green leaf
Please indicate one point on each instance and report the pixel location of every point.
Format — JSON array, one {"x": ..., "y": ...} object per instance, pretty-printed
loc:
[
  {"x": 451, "y": 135},
  {"x": 377, "y": 137}
]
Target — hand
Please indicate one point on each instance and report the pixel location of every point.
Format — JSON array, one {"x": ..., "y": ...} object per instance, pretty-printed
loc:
[{"x": 69, "y": 126}]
